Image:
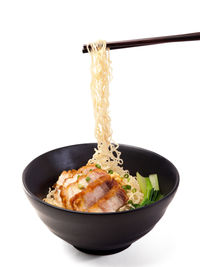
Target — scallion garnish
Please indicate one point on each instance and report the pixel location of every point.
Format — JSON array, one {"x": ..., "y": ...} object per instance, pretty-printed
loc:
[
  {"x": 110, "y": 171},
  {"x": 130, "y": 202},
  {"x": 126, "y": 187},
  {"x": 87, "y": 179},
  {"x": 98, "y": 166},
  {"x": 133, "y": 190},
  {"x": 126, "y": 175}
]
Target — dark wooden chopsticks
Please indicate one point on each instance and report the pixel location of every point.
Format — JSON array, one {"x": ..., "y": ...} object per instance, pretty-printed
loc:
[{"x": 150, "y": 41}]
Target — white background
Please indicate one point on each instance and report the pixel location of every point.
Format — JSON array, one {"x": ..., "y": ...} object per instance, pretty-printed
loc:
[{"x": 45, "y": 103}]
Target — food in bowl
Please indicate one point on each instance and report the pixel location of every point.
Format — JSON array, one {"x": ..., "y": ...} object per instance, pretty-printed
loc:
[
  {"x": 103, "y": 185},
  {"x": 84, "y": 230},
  {"x": 92, "y": 189}
]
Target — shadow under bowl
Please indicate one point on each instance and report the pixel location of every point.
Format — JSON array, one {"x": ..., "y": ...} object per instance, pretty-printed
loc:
[{"x": 98, "y": 233}]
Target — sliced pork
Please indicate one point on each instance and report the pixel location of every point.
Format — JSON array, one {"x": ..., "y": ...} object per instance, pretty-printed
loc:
[
  {"x": 89, "y": 189},
  {"x": 65, "y": 175},
  {"x": 111, "y": 202},
  {"x": 89, "y": 196},
  {"x": 86, "y": 169},
  {"x": 71, "y": 176},
  {"x": 82, "y": 182}
]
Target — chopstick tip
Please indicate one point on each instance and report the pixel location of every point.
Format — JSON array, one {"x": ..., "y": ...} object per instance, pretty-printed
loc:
[{"x": 84, "y": 49}]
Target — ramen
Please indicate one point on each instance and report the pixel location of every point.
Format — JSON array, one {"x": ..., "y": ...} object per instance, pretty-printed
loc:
[{"x": 102, "y": 185}]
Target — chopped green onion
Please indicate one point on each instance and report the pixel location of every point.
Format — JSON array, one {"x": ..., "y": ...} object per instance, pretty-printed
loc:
[
  {"x": 126, "y": 175},
  {"x": 87, "y": 179},
  {"x": 78, "y": 176},
  {"x": 128, "y": 179},
  {"x": 80, "y": 186},
  {"x": 90, "y": 170},
  {"x": 133, "y": 190},
  {"x": 130, "y": 202},
  {"x": 98, "y": 166},
  {"x": 126, "y": 187},
  {"x": 110, "y": 171}
]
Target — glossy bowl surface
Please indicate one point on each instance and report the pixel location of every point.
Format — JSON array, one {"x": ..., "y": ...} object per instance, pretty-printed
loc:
[{"x": 98, "y": 233}]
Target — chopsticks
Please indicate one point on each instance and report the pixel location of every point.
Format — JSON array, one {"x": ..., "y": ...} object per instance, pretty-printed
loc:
[{"x": 150, "y": 41}]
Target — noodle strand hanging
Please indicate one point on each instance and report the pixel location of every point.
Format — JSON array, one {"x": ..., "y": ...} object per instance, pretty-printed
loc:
[{"x": 107, "y": 153}]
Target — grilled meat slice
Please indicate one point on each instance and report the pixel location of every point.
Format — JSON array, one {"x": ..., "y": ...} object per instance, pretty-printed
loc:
[
  {"x": 81, "y": 182},
  {"x": 89, "y": 189},
  {"x": 94, "y": 191},
  {"x": 86, "y": 169},
  {"x": 112, "y": 201},
  {"x": 66, "y": 178}
]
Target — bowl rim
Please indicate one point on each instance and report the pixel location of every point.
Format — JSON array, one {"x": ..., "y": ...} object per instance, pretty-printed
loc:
[{"x": 28, "y": 192}]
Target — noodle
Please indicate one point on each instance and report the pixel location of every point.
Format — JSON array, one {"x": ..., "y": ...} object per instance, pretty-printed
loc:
[{"x": 107, "y": 153}]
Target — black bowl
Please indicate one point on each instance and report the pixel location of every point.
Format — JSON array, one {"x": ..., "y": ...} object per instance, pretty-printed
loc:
[{"x": 98, "y": 233}]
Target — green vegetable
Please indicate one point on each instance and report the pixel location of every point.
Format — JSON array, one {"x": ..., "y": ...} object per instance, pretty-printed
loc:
[
  {"x": 90, "y": 170},
  {"x": 130, "y": 202},
  {"x": 160, "y": 196},
  {"x": 133, "y": 190},
  {"x": 151, "y": 194},
  {"x": 126, "y": 187},
  {"x": 154, "y": 196},
  {"x": 136, "y": 206},
  {"x": 110, "y": 171},
  {"x": 126, "y": 175},
  {"x": 142, "y": 182},
  {"x": 145, "y": 202},
  {"x": 154, "y": 181},
  {"x": 150, "y": 188},
  {"x": 98, "y": 166},
  {"x": 87, "y": 179},
  {"x": 145, "y": 185},
  {"x": 78, "y": 176}
]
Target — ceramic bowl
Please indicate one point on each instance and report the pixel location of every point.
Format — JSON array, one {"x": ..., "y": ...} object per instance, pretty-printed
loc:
[{"x": 98, "y": 233}]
